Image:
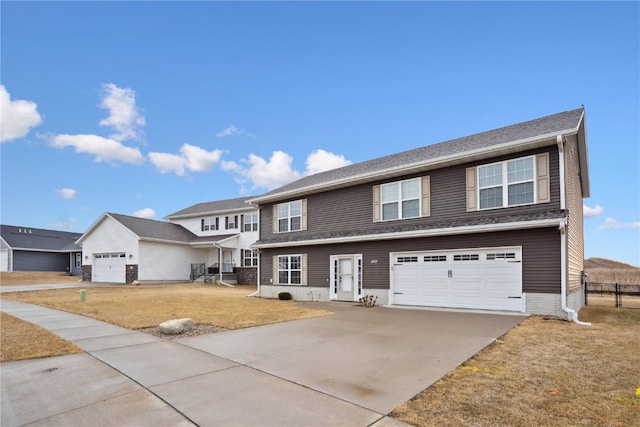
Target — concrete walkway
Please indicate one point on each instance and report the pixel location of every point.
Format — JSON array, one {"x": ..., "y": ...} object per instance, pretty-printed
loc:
[{"x": 348, "y": 369}]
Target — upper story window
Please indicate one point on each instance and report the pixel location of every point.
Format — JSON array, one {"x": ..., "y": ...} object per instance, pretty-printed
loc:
[
  {"x": 515, "y": 182},
  {"x": 209, "y": 224},
  {"x": 250, "y": 222},
  {"x": 289, "y": 216},
  {"x": 508, "y": 183},
  {"x": 402, "y": 199},
  {"x": 231, "y": 222}
]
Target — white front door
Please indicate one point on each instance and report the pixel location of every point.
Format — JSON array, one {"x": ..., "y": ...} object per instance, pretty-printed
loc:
[{"x": 346, "y": 277}]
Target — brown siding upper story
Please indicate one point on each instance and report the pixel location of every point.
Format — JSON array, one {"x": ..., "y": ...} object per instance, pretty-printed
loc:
[{"x": 351, "y": 208}]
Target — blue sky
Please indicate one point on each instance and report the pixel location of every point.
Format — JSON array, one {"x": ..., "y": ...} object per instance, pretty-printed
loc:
[{"x": 146, "y": 108}]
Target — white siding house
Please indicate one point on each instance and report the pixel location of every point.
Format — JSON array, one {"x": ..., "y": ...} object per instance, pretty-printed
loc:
[{"x": 208, "y": 241}]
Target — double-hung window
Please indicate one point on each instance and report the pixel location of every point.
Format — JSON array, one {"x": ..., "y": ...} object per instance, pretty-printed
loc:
[
  {"x": 209, "y": 224},
  {"x": 508, "y": 183},
  {"x": 289, "y": 216},
  {"x": 250, "y": 222},
  {"x": 400, "y": 199},
  {"x": 290, "y": 269},
  {"x": 249, "y": 258}
]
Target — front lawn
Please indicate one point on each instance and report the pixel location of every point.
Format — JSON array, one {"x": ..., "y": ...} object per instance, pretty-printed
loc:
[{"x": 543, "y": 373}]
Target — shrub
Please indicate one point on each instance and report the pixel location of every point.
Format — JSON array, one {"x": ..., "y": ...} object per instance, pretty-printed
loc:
[{"x": 284, "y": 296}]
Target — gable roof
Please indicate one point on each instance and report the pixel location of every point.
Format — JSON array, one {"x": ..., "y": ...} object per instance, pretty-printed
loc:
[
  {"x": 152, "y": 229},
  {"x": 215, "y": 207},
  {"x": 39, "y": 239},
  {"x": 507, "y": 139}
]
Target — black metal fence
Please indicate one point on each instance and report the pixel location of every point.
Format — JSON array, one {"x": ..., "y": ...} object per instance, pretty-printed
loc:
[{"x": 612, "y": 294}]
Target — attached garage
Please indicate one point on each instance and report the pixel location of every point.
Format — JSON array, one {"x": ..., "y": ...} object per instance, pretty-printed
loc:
[
  {"x": 488, "y": 278},
  {"x": 110, "y": 267}
]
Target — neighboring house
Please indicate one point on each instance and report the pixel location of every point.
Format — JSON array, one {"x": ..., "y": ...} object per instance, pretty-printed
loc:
[
  {"x": 201, "y": 242},
  {"x": 489, "y": 221},
  {"x": 37, "y": 249}
]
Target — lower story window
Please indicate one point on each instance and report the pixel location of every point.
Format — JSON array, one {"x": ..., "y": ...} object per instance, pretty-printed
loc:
[
  {"x": 249, "y": 258},
  {"x": 290, "y": 269},
  {"x": 78, "y": 260}
]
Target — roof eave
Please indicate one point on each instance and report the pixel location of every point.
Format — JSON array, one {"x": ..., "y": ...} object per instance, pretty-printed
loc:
[
  {"x": 219, "y": 212},
  {"x": 438, "y": 162},
  {"x": 517, "y": 225}
]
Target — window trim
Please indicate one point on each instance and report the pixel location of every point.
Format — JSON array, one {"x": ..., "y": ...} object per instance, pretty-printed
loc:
[
  {"x": 210, "y": 223},
  {"x": 504, "y": 185},
  {"x": 253, "y": 257},
  {"x": 423, "y": 198},
  {"x": 253, "y": 225},
  {"x": 302, "y": 216},
  {"x": 302, "y": 270}
]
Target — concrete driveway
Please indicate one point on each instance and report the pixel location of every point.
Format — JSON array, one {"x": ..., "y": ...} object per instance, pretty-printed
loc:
[{"x": 350, "y": 369}]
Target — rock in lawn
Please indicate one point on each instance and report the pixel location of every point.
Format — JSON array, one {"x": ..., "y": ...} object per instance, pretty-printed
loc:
[{"x": 176, "y": 326}]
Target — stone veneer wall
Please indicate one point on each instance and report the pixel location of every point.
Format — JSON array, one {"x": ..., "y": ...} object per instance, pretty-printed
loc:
[
  {"x": 86, "y": 273},
  {"x": 247, "y": 275},
  {"x": 131, "y": 273}
]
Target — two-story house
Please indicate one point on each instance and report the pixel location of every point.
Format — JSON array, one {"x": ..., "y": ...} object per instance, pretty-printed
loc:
[
  {"x": 207, "y": 241},
  {"x": 489, "y": 221}
]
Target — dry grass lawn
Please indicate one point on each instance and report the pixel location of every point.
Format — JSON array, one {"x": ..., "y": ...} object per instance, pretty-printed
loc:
[
  {"x": 21, "y": 340},
  {"x": 543, "y": 373},
  {"x": 137, "y": 307},
  {"x": 11, "y": 278}
]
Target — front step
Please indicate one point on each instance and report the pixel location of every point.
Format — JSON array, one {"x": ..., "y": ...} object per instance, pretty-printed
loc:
[{"x": 229, "y": 278}]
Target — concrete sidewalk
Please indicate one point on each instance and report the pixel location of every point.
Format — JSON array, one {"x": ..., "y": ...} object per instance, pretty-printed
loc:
[{"x": 131, "y": 378}]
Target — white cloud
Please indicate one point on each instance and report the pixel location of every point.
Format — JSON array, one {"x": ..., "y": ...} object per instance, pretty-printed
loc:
[
  {"x": 612, "y": 224},
  {"x": 191, "y": 158},
  {"x": 262, "y": 174},
  {"x": 588, "y": 212},
  {"x": 145, "y": 213},
  {"x": 167, "y": 162},
  {"x": 229, "y": 131},
  {"x": 278, "y": 170},
  {"x": 16, "y": 117},
  {"x": 124, "y": 116},
  {"x": 104, "y": 149},
  {"x": 67, "y": 193},
  {"x": 321, "y": 160},
  {"x": 198, "y": 159}
]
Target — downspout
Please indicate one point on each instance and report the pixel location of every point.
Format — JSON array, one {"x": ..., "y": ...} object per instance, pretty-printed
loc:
[
  {"x": 572, "y": 315},
  {"x": 257, "y": 292},
  {"x": 220, "y": 263}
]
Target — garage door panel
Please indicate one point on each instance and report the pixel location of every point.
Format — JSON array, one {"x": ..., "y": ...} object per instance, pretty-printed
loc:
[
  {"x": 485, "y": 279},
  {"x": 109, "y": 268}
]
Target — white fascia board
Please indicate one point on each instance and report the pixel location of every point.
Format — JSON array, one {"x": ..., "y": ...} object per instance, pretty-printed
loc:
[
  {"x": 93, "y": 227},
  {"x": 206, "y": 213},
  {"x": 151, "y": 239},
  {"x": 421, "y": 233},
  {"x": 463, "y": 157}
]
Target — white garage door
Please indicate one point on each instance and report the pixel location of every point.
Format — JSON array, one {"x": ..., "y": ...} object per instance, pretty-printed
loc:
[
  {"x": 109, "y": 268},
  {"x": 489, "y": 279}
]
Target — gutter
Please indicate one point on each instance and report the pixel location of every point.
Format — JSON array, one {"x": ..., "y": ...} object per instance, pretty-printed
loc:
[
  {"x": 572, "y": 315},
  {"x": 220, "y": 271}
]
